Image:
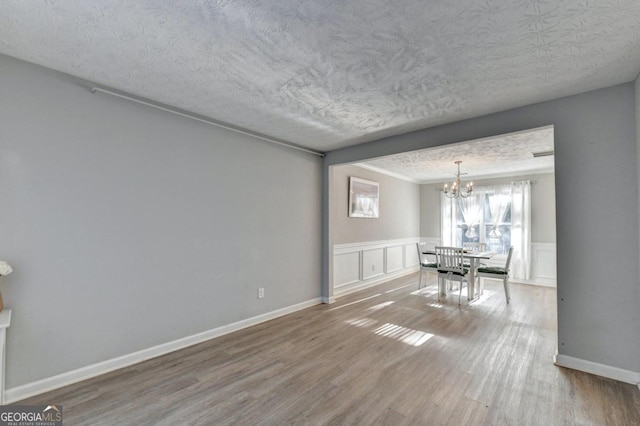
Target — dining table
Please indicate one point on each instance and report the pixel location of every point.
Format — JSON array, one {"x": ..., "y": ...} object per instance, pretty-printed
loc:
[{"x": 474, "y": 258}]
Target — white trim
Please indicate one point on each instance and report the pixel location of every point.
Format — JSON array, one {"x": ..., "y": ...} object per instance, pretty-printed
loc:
[
  {"x": 367, "y": 275},
  {"x": 50, "y": 383},
  {"x": 371, "y": 245},
  {"x": 328, "y": 300},
  {"x": 337, "y": 268},
  {"x": 386, "y": 259},
  {"x": 543, "y": 273},
  {"x": 344, "y": 283},
  {"x": 540, "y": 282},
  {"x": 347, "y": 283},
  {"x": 598, "y": 369}
]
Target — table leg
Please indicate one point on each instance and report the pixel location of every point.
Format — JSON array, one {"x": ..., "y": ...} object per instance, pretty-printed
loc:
[{"x": 471, "y": 285}]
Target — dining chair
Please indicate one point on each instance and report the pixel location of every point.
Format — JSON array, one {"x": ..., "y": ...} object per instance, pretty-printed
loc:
[
  {"x": 470, "y": 246},
  {"x": 451, "y": 266},
  {"x": 474, "y": 246},
  {"x": 425, "y": 265},
  {"x": 498, "y": 273}
]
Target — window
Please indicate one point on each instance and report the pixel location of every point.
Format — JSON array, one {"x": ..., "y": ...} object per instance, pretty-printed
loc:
[
  {"x": 499, "y": 216},
  {"x": 496, "y": 234}
]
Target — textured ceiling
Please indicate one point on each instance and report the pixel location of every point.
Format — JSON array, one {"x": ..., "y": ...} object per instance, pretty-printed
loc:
[
  {"x": 327, "y": 74},
  {"x": 504, "y": 155}
]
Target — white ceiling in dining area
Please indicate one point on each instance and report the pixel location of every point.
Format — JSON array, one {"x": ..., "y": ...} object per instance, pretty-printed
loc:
[
  {"x": 329, "y": 74},
  {"x": 502, "y": 155}
]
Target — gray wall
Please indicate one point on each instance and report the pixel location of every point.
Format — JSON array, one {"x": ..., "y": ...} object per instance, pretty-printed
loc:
[
  {"x": 399, "y": 208},
  {"x": 543, "y": 206},
  {"x": 129, "y": 227},
  {"x": 637, "y": 88},
  {"x": 596, "y": 209},
  {"x": 430, "y": 215}
]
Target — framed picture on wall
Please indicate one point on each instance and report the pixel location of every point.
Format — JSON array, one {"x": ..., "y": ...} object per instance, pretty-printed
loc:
[{"x": 364, "y": 198}]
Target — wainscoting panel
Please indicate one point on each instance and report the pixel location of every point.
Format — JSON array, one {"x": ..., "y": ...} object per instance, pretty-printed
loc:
[
  {"x": 372, "y": 263},
  {"x": 346, "y": 269},
  {"x": 361, "y": 265},
  {"x": 411, "y": 256},
  {"x": 543, "y": 258},
  {"x": 395, "y": 259}
]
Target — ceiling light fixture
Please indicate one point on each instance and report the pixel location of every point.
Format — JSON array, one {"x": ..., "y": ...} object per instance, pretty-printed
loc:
[
  {"x": 542, "y": 154},
  {"x": 455, "y": 191}
]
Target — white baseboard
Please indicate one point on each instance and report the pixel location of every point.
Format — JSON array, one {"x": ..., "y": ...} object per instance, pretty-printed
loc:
[
  {"x": 50, "y": 383},
  {"x": 343, "y": 291},
  {"x": 602, "y": 370},
  {"x": 538, "y": 282}
]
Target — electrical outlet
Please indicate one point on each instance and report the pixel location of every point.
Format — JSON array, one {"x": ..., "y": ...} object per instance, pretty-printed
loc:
[
  {"x": 373, "y": 267},
  {"x": 261, "y": 293}
]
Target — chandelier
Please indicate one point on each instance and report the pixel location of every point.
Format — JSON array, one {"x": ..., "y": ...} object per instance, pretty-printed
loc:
[{"x": 456, "y": 191}]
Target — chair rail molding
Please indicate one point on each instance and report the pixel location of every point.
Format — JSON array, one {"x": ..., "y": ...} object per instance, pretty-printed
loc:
[{"x": 364, "y": 264}]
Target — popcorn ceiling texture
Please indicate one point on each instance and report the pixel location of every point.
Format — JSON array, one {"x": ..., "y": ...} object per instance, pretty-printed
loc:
[
  {"x": 503, "y": 155},
  {"x": 327, "y": 74}
]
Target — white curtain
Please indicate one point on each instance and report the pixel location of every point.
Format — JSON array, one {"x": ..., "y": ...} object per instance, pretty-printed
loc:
[
  {"x": 520, "y": 229},
  {"x": 498, "y": 205},
  {"x": 471, "y": 208},
  {"x": 518, "y": 194},
  {"x": 448, "y": 220}
]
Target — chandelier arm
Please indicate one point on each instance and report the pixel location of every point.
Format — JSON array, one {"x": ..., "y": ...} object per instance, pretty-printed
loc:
[{"x": 456, "y": 187}]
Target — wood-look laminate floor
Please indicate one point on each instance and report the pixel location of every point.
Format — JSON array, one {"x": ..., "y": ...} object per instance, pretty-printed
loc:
[{"x": 387, "y": 355}]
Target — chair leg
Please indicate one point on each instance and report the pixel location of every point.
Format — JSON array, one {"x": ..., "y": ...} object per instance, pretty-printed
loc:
[
  {"x": 420, "y": 280},
  {"x": 460, "y": 294},
  {"x": 506, "y": 288}
]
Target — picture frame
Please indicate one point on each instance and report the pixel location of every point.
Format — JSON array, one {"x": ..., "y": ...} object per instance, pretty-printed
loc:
[{"x": 364, "y": 198}]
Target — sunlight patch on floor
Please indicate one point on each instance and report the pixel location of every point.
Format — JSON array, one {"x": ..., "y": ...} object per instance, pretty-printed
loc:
[
  {"x": 432, "y": 293},
  {"x": 393, "y": 331},
  {"x": 363, "y": 322},
  {"x": 436, "y": 305},
  {"x": 353, "y": 303},
  {"x": 426, "y": 292},
  {"x": 379, "y": 306},
  {"x": 403, "y": 334}
]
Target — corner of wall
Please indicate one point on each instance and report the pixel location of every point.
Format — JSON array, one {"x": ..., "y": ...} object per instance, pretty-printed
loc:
[{"x": 637, "y": 117}]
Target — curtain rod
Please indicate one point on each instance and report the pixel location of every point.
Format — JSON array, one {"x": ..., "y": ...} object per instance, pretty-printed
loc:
[
  {"x": 515, "y": 182},
  {"x": 484, "y": 187},
  {"x": 204, "y": 120}
]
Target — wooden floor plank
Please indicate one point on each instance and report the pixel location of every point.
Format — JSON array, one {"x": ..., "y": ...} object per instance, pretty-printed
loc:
[{"x": 391, "y": 354}]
